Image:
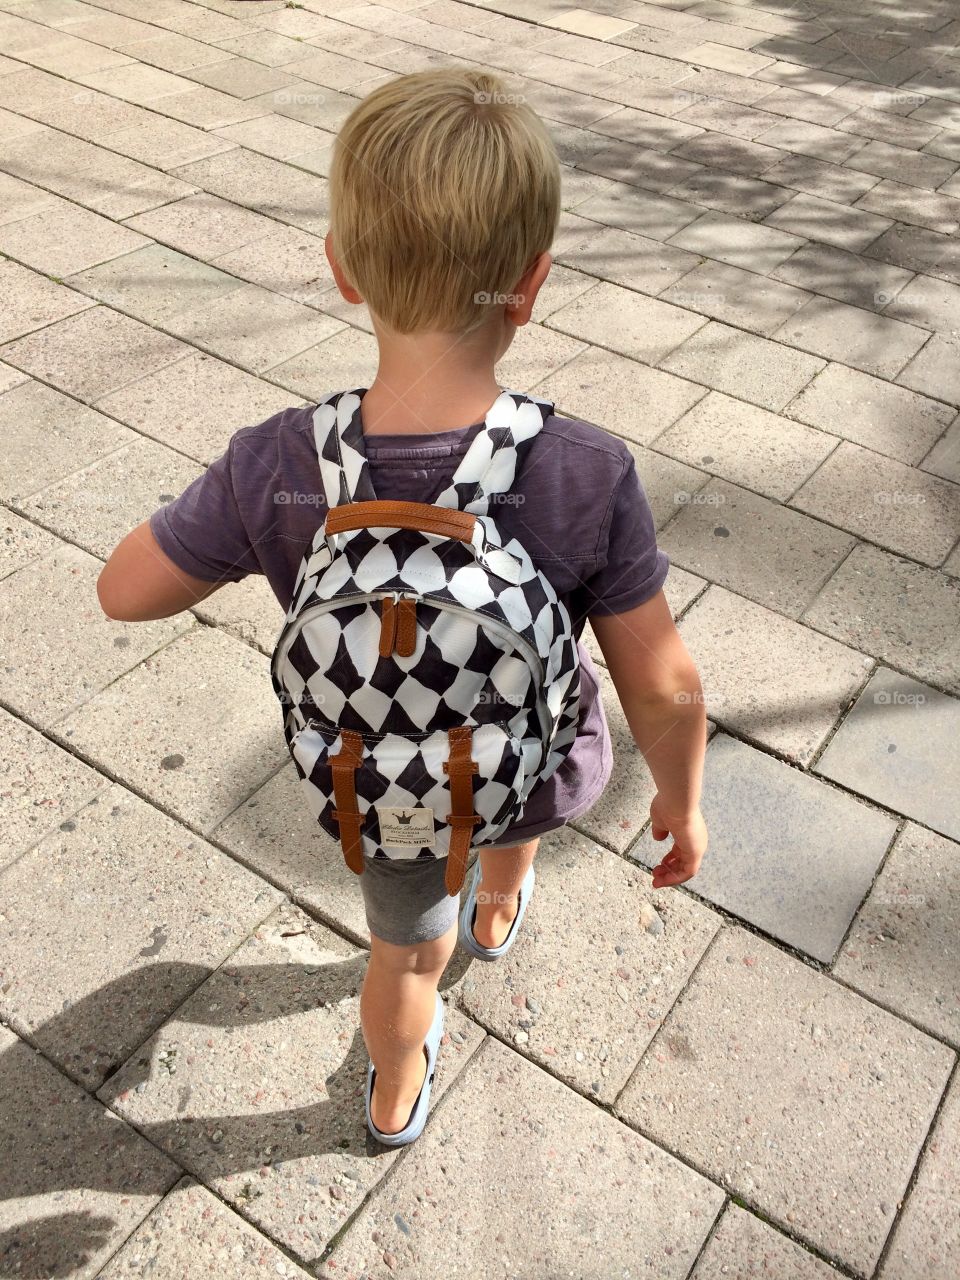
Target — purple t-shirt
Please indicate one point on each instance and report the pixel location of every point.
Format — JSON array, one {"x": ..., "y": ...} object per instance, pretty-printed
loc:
[{"x": 578, "y": 508}]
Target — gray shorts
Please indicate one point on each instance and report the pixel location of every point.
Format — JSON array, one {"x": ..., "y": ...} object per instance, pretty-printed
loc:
[{"x": 406, "y": 900}]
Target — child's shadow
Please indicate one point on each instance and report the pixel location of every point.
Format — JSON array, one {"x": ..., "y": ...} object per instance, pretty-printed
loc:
[{"x": 38, "y": 1157}]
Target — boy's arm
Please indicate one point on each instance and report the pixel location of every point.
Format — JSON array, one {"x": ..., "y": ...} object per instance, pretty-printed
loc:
[
  {"x": 140, "y": 582},
  {"x": 662, "y": 699}
]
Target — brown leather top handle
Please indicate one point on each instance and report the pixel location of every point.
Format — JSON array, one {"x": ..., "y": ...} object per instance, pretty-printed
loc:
[{"x": 444, "y": 522}]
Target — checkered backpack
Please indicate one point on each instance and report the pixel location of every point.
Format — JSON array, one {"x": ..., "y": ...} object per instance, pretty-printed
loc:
[{"x": 427, "y": 670}]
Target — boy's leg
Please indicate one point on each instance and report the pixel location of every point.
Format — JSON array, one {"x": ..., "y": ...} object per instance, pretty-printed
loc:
[
  {"x": 501, "y": 874},
  {"x": 397, "y": 1004}
]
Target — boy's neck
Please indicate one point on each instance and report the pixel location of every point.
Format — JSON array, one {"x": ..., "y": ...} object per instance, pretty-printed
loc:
[{"x": 429, "y": 383}]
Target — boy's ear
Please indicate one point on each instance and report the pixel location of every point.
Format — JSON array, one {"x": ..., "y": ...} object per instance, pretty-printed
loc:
[
  {"x": 527, "y": 288},
  {"x": 347, "y": 291}
]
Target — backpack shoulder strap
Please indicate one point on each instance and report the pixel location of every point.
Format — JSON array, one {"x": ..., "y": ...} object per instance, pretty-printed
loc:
[
  {"x": 338, "y": 435},
  {"x": 493, "y": 461}
]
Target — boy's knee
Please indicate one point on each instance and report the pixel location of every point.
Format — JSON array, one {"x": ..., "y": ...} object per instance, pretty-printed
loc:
[{"x": 430, "y": 956}]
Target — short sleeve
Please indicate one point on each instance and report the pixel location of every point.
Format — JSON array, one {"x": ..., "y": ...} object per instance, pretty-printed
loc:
[
  {"x": 202, "y": 530},
  {"x": 633, "y": 568}
]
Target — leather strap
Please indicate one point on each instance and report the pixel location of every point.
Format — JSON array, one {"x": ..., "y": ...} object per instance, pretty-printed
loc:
[
  {"x": 406, "y": 627},
  {"x": 460, "y": 768},
  {"x": 388, "y": 626},
  {"x": 441, "y": 521},
  {"x": 344, "y": 768}
]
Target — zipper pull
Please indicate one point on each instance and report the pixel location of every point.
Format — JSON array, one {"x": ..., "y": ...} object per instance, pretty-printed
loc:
[
  {"x": 406, "y": 632},
  {"x": 388, "y": 624}
]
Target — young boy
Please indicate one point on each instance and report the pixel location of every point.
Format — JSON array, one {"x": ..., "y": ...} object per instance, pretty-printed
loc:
[{"x": 445, "y": 197}]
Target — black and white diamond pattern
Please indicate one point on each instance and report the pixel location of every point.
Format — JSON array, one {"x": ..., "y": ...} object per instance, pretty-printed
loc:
[{"x": 495, "y": 648}]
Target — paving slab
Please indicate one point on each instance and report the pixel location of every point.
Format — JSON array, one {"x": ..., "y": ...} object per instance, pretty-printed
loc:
[
  {"x": 743, "y": 298},
  {"x": 348, "y": 359},
  {"x": 809, "y": 139},
  {"x": 93, "y": 353},
  {"x": 935, "y": 371},
  {"x": 155, "y": 283},
  {"x": 275, "y": 834},
  {"x": 751, "y": 198},
  {"x": 713, "y": 1092},
  {"x": 910, "y": 205},
  {"x": 863, "y": 339},
  {"x": 926, "y": 1240},
  {"x": 59, "y": 647},
  {"x": 22, "y": 542},
  {"x": 41, "y": 785},
  {"x": 248, "y": 610},
  {"x": 31, "y": 301},
  {"x": 253, "y": 327},
  {"x": 48, "y": 435},
  {"x": 272, "y": 1057},
  {"x": 563, "y": 286},
  {"x": 872, "y": 412},
  {"x": 733, "y": 155},
  {"x": 136, "y": 911},
  {"x": 944, "y": 458},
  {"x": 899, "y": 507},
  {"x": 290, "y": 262},
  {"x": 767, "y": 677},
  {"x": 737, "y": 242},
  {"x": 897, "y": 611},
  {"x": 935, "y": 304},
  {"x": 903, "y": 165},
  {"x": 22, "y": 200},
  {"x": 98, "y": 506},
  {"x": 643, "y": 212},
  {"x": 628, "y": 398},
  {"x": 627, "y": 322},
  {"x": 614, "y": 1196},
  {"x": 625, "y": 162},
  {"x": 589, "y": 1023},
  {"x": 820, "y": 178},
  {"x": 536, "y": 353},
  {"x": 900, "y": 950},
  {"x": 166, "y": 144},
  {"x": 191, "y": 1235},
  {"x": 195, "y": 405},
  {"x": 271, "y": 187},
  {"x": 828, "y": 222},
  {"x": 147, "y": 732},
  {"x": 744, "y": 1247},
  {"x": 620, "y": 257},
  {"x": 752, "y": 368},
  {"x": 668, "y": 484},
  {"x": 896, "y": 747},
  {"x": 203, "y": 226},
  {"x": 63, "y": 239},
  {"x": 746, "y": 445},
  {"x": 918, "y": 249},
  {"x": 788, "y": 854},
  {"x": 75, "y": 1182}
]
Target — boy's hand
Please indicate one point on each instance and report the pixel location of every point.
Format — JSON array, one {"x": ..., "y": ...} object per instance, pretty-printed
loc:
[{"x": 689, "y": 845}]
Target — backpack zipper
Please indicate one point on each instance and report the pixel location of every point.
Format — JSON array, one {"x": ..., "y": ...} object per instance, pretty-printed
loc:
[{"x": 534, "y": 661}]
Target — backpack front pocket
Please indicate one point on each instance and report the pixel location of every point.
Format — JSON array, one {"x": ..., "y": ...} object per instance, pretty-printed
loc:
[{"x": 402, "y": 791}]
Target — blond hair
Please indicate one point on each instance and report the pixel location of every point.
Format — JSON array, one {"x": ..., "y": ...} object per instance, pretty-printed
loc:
[{"x": 444, "y": 189}]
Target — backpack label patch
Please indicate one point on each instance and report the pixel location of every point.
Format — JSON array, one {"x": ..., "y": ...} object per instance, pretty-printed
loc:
[{"x": 404, "y": 827}]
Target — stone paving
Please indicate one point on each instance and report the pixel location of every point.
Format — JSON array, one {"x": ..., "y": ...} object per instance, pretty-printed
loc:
[{"x": 757, "y": 284}]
